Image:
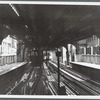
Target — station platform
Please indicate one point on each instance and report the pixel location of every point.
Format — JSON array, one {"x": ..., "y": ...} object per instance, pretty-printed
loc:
[
  {"x": 90, "y": 70},
  {"x": 9, "y": 67},
  {"x": 95, "y": 66},
  {"x": 10, "y": 75},
  {"x": 90, "y": 78}
]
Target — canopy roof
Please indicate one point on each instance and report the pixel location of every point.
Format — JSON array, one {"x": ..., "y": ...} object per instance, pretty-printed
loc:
[{"x": 49, "y": 25}]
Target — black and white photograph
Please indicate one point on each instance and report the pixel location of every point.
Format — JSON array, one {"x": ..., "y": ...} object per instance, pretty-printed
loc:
[{"x": 50, "y": 49}]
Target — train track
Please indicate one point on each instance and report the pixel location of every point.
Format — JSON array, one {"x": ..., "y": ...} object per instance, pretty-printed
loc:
[
  {"x": 55, "y": 85},
  {"x": 81, "y": 86},
  {"x": 51, "y": 88},
  {"x": 76, "y": 84},
  {"x": 18, "y": 88},
  {"x": 35, "y": 86},
  {"x": 12, "y": 82}
]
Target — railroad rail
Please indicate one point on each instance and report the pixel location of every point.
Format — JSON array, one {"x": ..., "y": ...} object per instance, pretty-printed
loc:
[{"x": 76, "y": 84}]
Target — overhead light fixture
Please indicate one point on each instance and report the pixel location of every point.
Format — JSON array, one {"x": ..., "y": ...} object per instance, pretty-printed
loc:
[
  {"x": 90, "y": 26},
  {"x": 26, "y": 26},
  {"x": 14, "y": 9},
  {"x": 7, "y": 27}
]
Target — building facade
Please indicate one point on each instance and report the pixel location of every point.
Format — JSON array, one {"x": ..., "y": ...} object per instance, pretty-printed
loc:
[
  {"x": 8, "y": 46},
  {"x": 89, "y": 50}
]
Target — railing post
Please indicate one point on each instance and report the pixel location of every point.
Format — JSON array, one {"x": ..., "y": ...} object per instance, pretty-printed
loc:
[
  {"x": 3, "y": 60},
  {"x": 11, "y": 59},
  {"x": 67, "y": 54},
  {"x": 0, "y": 61},
  {"x": 14, "y": 58},
  {"x": 7, "y": 59}
]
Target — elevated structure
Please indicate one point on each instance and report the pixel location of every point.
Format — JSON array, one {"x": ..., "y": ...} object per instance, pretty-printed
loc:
[
  {"x": 49, "y": 26},
  {"x": 39, "y": 28}
]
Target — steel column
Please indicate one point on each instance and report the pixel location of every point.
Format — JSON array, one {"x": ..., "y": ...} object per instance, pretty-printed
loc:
[{"x": 58, "y": 71}]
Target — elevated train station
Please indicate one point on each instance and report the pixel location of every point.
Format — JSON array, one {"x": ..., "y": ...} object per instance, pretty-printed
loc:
[{"x": 58, "y": 49}]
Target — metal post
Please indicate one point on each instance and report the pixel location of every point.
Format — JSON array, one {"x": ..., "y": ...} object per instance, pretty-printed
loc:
[
  {"x": 46, "y": 57},
  {"x": 58, "y": 73},
  {"x": 67, "y": 54}
]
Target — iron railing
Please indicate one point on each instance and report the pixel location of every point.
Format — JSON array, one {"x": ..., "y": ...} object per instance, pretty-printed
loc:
[
  {"x": 8, "y": 60},
  {"x": 95, "y": 59}
]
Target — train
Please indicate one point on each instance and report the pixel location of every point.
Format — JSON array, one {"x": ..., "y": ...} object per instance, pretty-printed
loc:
[{"x": 36, "y": 59}]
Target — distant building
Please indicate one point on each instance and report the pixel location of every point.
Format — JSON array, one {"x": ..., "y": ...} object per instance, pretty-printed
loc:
[
  {"x": 63, "y": 58},
  {"x": 63, "y": 55},
  {"x": 88, "y": 50},
  {"x": 8, "y": 46},
  {"x": 89, "y": 46},
  {"x": 53, "y": 56}
]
